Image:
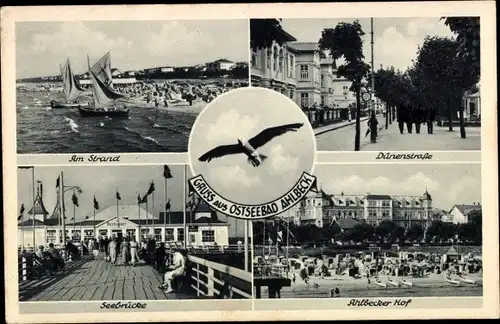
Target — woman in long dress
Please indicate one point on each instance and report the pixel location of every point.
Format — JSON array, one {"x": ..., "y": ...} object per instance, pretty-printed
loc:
[
  {"x": 125, "y": 251},
  {"x": 112, "y": 251}
]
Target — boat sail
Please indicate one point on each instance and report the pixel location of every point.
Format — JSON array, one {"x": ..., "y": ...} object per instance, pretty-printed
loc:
[
  {"x": 71, "y": 87},
  {"x": 103, "y": 92}
]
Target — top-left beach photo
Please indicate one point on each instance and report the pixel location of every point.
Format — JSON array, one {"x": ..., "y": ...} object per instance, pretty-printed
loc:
[{"x": 122, "y": 86}]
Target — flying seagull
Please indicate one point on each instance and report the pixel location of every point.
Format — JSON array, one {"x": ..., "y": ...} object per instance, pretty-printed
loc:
[{"x": 249, "y": 148}]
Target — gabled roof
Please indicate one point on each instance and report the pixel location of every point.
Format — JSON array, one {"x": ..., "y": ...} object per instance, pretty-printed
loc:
[
  {"x": 347, "y": 223},
  {"x": 305, "y": 46},
  {"x": 378, "y": 197},
  {"x": 466, "y": 209}
]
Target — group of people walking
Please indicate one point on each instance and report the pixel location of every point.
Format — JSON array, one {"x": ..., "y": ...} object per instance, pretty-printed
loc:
[{"x": 418, "y": 115}]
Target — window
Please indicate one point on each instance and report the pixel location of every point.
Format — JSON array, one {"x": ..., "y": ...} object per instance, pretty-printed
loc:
[
  {"x": 385, "y": 213},
  {"x": 158, "y": 235},
  {"x": 103, "y": 233},
  {"x": 169, "y": 235},
  {"x": 292, "y": 64},
  {"x": 144, "y": 233},
  {"x": 372, "y": 213},
  {"x": 304, "y": 72},
  {"x": 208, "y": 236},
  {"x": 180, "y": 235},
  {"x": 323, "y": 100},
  {"x": 322, "y": 80},
  {"x": 88, "y": 234},
  {"x": 130, "y": 233},
  {"x": 269, "y": 57},
  {"x": 51, "y": 236},
  {"x": 304, "y": 99},
  {"x": 76, "y": 236},
  {"x": 372, "y": 203},
  {"x": 292, "y": 94},
  {"x": 386, "y": 203},
  {"x": 275, "y": 59},
  {"x": 281, "y": 58}
]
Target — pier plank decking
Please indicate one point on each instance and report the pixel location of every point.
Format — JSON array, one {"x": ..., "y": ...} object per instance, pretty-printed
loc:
[{"x": 98, "y": 280}]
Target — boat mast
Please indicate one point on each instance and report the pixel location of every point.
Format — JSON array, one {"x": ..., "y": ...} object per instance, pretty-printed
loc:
[{"x": 90, "y": 77}]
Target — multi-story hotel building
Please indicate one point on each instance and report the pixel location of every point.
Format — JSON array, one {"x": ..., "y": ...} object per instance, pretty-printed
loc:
[
  {"x": 308, "y": 74},
  {"x": 274, "y": 67},
  {"x": 203, "y": 225},
  {"x": 321, "y": 208}
]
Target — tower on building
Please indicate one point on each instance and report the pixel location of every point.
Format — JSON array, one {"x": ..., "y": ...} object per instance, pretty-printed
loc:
[{"x": 38, "y": 211}]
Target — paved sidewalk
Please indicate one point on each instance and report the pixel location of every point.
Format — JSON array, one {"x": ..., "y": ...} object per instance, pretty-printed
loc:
[
  {"x": 441, "y": 140},
  {"x": 327, "y": 128}
]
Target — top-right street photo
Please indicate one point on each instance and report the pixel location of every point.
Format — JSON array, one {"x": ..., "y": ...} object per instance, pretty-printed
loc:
[{"x": 376, "y": 84}]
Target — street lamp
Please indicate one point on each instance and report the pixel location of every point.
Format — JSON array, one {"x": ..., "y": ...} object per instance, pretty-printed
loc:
[{"x": 64, "y": 190}]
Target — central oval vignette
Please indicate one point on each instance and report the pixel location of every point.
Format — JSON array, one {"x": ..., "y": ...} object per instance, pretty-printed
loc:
[{"x": 252, "y": 146}]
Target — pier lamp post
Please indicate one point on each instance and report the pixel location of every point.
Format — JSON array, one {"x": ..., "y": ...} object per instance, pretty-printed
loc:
[{"x": 65, "y": 189}]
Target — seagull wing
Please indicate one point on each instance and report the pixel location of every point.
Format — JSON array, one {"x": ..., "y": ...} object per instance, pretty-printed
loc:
[
  {"x": 220, "y": 151},
  {"x": 268, "y": 134}
]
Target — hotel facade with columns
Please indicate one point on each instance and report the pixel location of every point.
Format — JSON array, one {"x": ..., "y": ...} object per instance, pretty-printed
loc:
[{"x": 203, "y": 227}]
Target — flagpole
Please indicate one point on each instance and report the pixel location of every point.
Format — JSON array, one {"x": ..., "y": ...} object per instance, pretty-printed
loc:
[
  {"x": 153, "y": 216},
  {"x": 33, "y": 211},
  {"x": 139, "y": 210},
  {"x": 95, "y": 234},
  {"x": 184, "y": 200},
  {"x": 117, "y": 212},
  {"x": 63, "y": 213},
  {"x": 264, "y": 240},
  {"x": 246, "y": 245},
  {"x": 287, "y": 246},
  {"x": 147, "y": 216},
  {"x": 74, "y": 216},
  {"x": 165, "y": 214}
]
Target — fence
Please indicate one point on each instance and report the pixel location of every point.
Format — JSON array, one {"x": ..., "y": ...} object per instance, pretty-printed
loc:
[{"x": 210, "y": 278}]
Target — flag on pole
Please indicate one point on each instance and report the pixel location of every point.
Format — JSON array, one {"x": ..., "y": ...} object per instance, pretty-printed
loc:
[
  {"x": 142, "y": 200},
  {"x": 166, "y": 172},
  {"x": 58, "y": 181},
  {"x": 167, "y": 206},
  {"x": 72, "y": 218},
  {"x": 96, "y": 204},
  {"x": 118, "y": 196},
  {"x": 151, "y": 188},
  {"x": 280, "y": 236},
  {"x": 189, "y": 205},
  {"x": 74, "y": 198},
  {"x": 21, "y": 212},
  {"x": 314, "y": 186},
  {"x": 190, "y": 189},
  {"x": 87, "y": 217}
]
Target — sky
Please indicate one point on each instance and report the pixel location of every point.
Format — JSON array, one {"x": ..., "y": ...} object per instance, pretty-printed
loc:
[
  {"x": 42, "y": 46},
  {"x": 103, "y": 181},
  {"x": 448, "y": 184},
  {"x": 237, "y": 114},
  {"x": 396, "y": 40}
]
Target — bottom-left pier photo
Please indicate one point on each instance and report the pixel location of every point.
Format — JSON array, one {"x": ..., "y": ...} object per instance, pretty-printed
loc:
[{"x": 90, "y": 233}]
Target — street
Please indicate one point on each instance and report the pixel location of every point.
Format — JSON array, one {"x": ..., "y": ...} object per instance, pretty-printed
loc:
[
  {"x": 390, "y": 139},
  {"x": 342, "y": 139}
]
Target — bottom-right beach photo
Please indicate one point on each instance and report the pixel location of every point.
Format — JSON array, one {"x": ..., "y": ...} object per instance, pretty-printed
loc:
[{"x": 376, "y": 230}]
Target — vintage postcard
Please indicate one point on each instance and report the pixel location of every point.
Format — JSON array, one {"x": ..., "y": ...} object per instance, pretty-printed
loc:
[{"x": 250, "y": 162}]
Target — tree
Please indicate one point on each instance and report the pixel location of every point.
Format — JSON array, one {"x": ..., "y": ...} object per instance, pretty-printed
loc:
[
  {"x": 360, "y": 232},
  {"x": 344, "y": 41},
  {"x": 415, "y": 232},
  {"x": 264, "y": 32},
  {"x": 389, "y": 231},
  {"x": 441, "y": 77},
  {"x": 468, "y": 31}
]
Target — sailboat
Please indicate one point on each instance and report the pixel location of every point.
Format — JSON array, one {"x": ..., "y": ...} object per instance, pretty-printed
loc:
[
  {"x": 103, "y": 93},
  {"x": 72, "y": 89}
]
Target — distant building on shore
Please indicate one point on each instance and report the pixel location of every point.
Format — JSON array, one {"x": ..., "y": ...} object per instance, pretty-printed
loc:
[
  {"x": 220, "y": 65},
  {"x": 203, "y": 225},
  {"x": 460, "y": 214},
  {"x": 321, "y": 208}
]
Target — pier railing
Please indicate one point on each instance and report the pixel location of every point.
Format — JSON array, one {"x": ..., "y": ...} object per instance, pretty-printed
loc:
[{"x": 210, "y": 279}]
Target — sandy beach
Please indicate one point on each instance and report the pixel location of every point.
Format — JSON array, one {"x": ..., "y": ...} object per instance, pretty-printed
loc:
[{"x": 433, "y": 285}]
